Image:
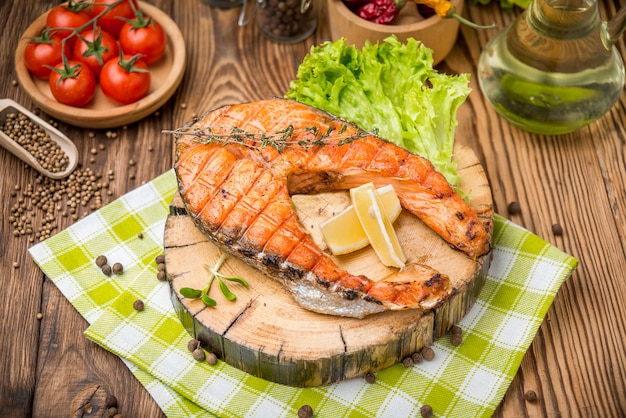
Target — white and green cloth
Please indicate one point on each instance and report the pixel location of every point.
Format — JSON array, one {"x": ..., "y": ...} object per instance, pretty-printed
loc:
[{"x": 465, "y": 381}]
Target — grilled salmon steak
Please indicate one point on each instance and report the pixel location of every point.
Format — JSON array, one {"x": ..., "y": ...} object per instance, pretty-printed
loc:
[{"x": 238, "y": 165}]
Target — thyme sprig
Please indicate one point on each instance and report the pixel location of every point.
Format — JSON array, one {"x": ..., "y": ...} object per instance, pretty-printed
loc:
[
  {"x": 203, "y": 294},
  {"x": 307, "y": 137}
]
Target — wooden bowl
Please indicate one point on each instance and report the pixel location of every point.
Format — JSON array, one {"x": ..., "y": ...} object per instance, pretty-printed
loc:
[
  {"x": 438, "y": 34},
  {"x": 167, "y": 73}
]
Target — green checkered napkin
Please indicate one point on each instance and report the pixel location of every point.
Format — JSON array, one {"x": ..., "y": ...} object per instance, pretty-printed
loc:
[{"x": 463, "y": 381}]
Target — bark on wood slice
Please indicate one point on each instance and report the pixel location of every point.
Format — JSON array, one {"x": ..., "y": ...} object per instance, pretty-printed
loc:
[{"x": 265, "y": 333}]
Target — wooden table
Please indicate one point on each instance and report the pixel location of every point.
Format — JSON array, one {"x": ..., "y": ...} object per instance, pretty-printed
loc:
[{"x": 577, "y": 362}]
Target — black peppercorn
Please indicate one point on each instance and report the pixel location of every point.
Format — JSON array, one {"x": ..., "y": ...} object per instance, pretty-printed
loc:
[
  {"x": 101, "y": 260},
  {"x": 514, "y": 208},
  {"x": 138, "y": 305},
  {"x": 428, "y": 353},
  {"x": 106, "y": 269},
  {"x": 199, "y": 355},
  {"x": 370, "y": 377},
  {"x": 305, "y": 411},
  {"x": 426, "y": 411},
  {"x": 118, "y": 268},
  {"x": 193, "y": 344}
]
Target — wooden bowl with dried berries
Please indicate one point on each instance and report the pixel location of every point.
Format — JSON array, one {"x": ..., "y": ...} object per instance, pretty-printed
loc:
[{"x": 430, "y": 21}]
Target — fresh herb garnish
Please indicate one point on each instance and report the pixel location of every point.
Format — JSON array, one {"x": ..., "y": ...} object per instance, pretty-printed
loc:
[
  {"x": 307, "y": 137},
  {"x": 203, "y": 294}
]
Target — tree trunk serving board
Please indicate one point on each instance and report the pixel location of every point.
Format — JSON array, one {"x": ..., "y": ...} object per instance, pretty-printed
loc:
[{"x": 265, "y": 333}]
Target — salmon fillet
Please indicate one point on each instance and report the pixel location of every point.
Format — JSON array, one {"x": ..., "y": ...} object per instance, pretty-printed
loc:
[{"x": 238, "y": 165}]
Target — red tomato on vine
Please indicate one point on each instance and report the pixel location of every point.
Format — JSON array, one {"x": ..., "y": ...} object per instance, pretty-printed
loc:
[
  {"x": 143, "y": 35},
  {"x": 72, "y": 83},
  {"x": 113, "y": 20},
  {"x": 125, "y": 79},
  {"x": 95, "y": 47},
  {"x": 67, "y": 18},
  {"x": 43, "y": 52}
]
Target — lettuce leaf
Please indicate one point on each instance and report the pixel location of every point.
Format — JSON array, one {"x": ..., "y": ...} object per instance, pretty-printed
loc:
[{"x": 389, "y": 88}]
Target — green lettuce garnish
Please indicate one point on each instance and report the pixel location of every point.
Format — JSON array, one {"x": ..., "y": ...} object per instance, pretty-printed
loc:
[{"x": 389, "y": 88}]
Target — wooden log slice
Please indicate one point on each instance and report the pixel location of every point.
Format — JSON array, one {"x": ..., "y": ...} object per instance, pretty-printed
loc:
[{"x": 265, "y": 333}]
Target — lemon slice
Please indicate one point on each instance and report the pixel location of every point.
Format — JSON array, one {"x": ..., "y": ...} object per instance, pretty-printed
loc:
[
  {"x": 343, "y": 232},
  {"x": 377, "y": 225}
]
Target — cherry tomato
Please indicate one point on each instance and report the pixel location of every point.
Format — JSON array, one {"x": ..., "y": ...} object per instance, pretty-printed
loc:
[
  {"x": 143, "y": 36},
  {"x": 95, "y": 47},
  {"x": 72, "y": 83},
  {"x": 43, "y": 51},
  {"x": 67, "y": 18},
  {"x": 111, "y": 21},
  {"x": 125, "y": 79}
]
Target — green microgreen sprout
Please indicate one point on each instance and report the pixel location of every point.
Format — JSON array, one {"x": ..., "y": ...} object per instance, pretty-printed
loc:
[{"x": 203, "y": 294}]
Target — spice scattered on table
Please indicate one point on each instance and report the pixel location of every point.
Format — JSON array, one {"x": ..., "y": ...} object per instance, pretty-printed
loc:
[
  {"x": 407, "y": 362},
  {"x": 138, "y": 305},
  {"x": 514, "y": 208},
  {"x": 530, "y": 396},
  {"x": 456, "y": 335},
  {"x": 305, "y": 411},
  {"x": 417, "y": 358},
  {"x": 557, "y": 229},
  {"x": 34, "y": 139},
  {"x": 118, "y": 268},
  {"x": 199, "y": 354},
  {"x": 193, "y": 344},
  {"x": 428, "y": 353},
  {"x": 370, "y": 377},
  {"x": 106, "y": 269},
  {"x": 37, "y": 205},
  {"x": 211, "y": 359},
  {"x": 101, "y": 260},
  {"x": 426, "y": 411}
]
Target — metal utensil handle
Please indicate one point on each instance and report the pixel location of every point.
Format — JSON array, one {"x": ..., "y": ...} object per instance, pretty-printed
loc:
[{"x": 243, "y": 19}]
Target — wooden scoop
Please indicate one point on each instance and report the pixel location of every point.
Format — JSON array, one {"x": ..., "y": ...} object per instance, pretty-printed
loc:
[{"x": 9, "y": 106}]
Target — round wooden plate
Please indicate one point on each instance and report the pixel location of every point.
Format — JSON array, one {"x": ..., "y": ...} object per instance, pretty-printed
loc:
[
  {"x": 265, "y": 333},
  {"x": 102, "y": 112}
]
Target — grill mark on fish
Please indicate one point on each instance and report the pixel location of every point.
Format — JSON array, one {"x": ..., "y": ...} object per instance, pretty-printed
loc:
[{"x": 238, "y": 195}]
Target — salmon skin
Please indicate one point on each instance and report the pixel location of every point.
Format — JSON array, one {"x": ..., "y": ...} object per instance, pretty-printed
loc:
[{"x": 238, "y": 165}]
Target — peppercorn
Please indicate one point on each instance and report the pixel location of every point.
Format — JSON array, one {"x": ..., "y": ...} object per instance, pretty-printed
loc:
[
  {"x": 140, "y": 235},
  {"x": 193, "y": 344},
  {"x": 106, "y": 269},
  {"x": 456, "y": 330},
  {"x": 557, "y": 229},
  {"x": 161, "y": 276},
  {"x": 426, "y": 411},
  {"x": 456, "y": 339},
  {"x": 138, "y": 305},
  {"x": 370, "y": 377},
  {"x": 110, "y": 401},
  {"x": 101, "y": 260},
  {"x": 39, "y": 315},
  {"x": 416, "y": 357},
  {"x": 428, "y": 353},
  {"x": 160, "y": 259},
  {"x": 407, "y": 362},
  {"x": 530, "y": 396},
  {"x": 36, "y": 141},
  {"x": 199, "y": 355},
  {"x": 118, "y": 268},
  {"x": 161, "y": 267},
  {"x": 514, "y": 208},
  {"x": 211, "y": 359},
  {"x": 305, "y": 411}
]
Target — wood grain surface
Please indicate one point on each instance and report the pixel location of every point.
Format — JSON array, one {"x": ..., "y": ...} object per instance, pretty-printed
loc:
[
  {"x": 335, "y": 348},
  {"x": 577, "y": 362}
]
